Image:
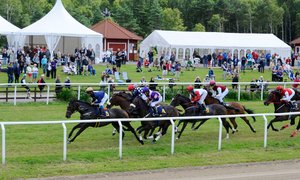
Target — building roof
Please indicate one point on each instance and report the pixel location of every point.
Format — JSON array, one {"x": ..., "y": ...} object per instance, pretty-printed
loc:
[
  {"x": 111, "y": 30},
  {"x": 6, "y": 27},
  {"x": 295, "y": 41}
]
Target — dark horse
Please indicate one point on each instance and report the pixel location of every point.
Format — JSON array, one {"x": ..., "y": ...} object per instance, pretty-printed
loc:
[
  {"x": 241, "y": 110},
  {"x": 124, "y": 100},
  {"x": 140, "y": 108},
  {"x": 281, "y": 107},
  {"x": 192, "y": 110},
  {"x": 88, "y": 111}
]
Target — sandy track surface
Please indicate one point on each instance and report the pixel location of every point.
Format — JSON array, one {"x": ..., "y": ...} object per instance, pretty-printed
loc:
[{"x": 276, "y": 170}]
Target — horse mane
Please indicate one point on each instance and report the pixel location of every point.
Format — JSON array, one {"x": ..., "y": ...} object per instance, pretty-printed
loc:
[
  {"x": 182, "y": 96},
  {"x": 79, "y": 101},
  {"x": 125, "y": 95}
]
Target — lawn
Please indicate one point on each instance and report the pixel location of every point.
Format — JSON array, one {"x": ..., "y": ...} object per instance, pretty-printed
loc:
[{"x": 36, "y": 150}]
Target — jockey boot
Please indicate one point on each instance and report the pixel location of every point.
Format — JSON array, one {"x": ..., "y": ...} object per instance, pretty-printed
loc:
[
  {"x": 291, "y": 106},
  {"x": 204, "y": 108},
  {"x": 102, "y": 113}
]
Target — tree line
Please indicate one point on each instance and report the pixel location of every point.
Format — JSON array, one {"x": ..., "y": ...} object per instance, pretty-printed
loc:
[{"x": 279, "y": 17}]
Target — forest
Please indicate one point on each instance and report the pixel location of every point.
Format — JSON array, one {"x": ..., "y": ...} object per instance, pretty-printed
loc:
[{"x": 280, "y": 17}]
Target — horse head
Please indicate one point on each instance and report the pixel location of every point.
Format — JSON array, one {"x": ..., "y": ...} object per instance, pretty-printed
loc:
[
  {"x": 175, "y": 100},
  {"x": 119, "y": 99},
  {"x": 71, "y": 108},
  {"x": 138, "y": 107},
  {"x": 274, "y": 97}
]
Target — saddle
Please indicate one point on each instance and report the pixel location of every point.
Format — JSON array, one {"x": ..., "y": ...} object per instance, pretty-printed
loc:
[
  {"x": 104, "y": 114},
  {"x": 159, "y": 111}
]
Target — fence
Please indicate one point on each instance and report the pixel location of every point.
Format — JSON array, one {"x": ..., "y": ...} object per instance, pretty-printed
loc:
[
  {"x": 171, "y": 119},
  {"x": 18, "y": 89}
]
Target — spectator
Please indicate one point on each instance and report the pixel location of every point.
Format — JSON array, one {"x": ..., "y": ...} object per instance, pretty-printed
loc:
[
  {"x": 58, "y": 86},
  {"x": 177, "y": 70},
  {"x": 91, "y": 69},
  {"x": 35, "y": 72},
  {"x": 253, "y": 86},
  {"x": 197, "y": 81},
  {"x": 143, "y": 81},
  {"x": 235, "y": 80},
  {"x": 29, "y": 72},
  {"x": 279, "y": 74},
  {"x": 152, "y": 87},
  {"x": 10, "y": 73},
  {"x": 16, "y": 67},
  {"x": 211, "y": 74},
  {"x": 23, "y": 82},
  {"x": 68, "y": 83},
  {"x": 53, "y": 64},
  {"x": 224, "y": 68},
  {"x": 296, "y": 81},
  {"x": 41, "y": 84}
]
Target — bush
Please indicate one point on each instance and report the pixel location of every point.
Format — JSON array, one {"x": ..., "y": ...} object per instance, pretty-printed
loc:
[
  {"x": 69, "y": 94},
  {"x": 233, "y": 95}
]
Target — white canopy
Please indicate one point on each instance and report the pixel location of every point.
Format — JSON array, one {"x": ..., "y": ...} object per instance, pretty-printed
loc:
[
  {"x": 10, "y": 30},
  {"x": 57, "y": 23},
  {"x": 214, "y": 41}
]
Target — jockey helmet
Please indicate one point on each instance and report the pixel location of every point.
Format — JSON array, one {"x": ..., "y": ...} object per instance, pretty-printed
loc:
[
  {"x": 279, "y": 88},
  {"x": 89, "y": 89},
  {"x": 145, "y": 89},
  {"x": 212, "y": 83},
  {"x": 130, "y": 87},
  {"x": 190, "y": 88}
]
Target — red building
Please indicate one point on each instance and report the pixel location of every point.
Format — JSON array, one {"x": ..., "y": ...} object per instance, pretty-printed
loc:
[
  {"x": 115, "y": 36},
  {"x": 296, "y": 45}
]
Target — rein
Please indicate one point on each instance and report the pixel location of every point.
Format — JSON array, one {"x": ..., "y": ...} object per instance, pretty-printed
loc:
[{"x": 280, "y": 107}]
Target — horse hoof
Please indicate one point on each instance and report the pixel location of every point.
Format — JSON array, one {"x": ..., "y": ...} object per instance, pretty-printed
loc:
[
  {"x": 142, "y": 142},
  {"x": 150, "y": 137},
  {"x": 68, "y": 142},
  {"x": 193, "y": 129},
  {"x": 154, "y": 141}
]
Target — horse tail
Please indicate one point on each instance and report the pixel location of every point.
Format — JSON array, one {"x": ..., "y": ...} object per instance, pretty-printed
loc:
[{"x": 249, "y": 111}]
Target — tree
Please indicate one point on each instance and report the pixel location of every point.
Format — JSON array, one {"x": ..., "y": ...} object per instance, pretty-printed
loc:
[
  {"x": 216, "y": 23},
  {"x": 199, "y": 27},
  {"x": 171, "y": 20}
]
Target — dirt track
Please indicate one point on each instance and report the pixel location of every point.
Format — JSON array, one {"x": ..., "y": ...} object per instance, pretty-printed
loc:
[{"x": 276, "y": 170}]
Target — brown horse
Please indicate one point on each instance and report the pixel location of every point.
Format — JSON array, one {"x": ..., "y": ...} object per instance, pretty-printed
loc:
[
  {"x": 241, "y": 110},
  {"x": 140, "y": 108},
  {"x": 281, "y": 107},
  {"x": 192, "y": 110},
  {"x": 124, "y": 100},
  {"x": 88, "y": 111}
]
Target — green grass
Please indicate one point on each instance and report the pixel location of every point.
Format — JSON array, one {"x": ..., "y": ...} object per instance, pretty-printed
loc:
[{"x": 36, "y": 150}]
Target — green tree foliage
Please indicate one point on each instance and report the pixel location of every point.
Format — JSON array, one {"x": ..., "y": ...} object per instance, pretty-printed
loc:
[
  {"x": 199, "y": 27},
  {"x": 143, "y": 16},
  {"x": 171, "y": 20}
]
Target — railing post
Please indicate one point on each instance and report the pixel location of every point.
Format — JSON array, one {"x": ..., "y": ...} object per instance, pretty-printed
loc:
[
  {"x": 3, "y": 143},
  {"x": 120, "y": 138},
  {"x": 108, "y": 91},
  {"x": 65, "y": 142},
  {"x": 239, "y": 92},
  {"x": 265, "y": 131},
  {"x": 78, "y": 93},
  {"x": 220, "y": 134},
  {"x": 173, "y": 136},
  {"x": 15, "y": 95},
  {"x": 164, "y": 93},
  {"x": 262, "y": 92},
  {"x": 48, "y": 92}
]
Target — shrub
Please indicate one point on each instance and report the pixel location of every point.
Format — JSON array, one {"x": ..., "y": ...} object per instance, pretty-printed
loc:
[{"x": 69, "y": 94}]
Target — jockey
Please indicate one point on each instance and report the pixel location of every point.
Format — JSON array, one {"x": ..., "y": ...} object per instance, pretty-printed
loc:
[
  {"x": 197, "y": 96},
  {"x": 154, "y": 98},
  {"x": 219, "y": 91},
  {"x": 135, "y": 90},
  {"x": 98, "y": 99},
  {"x": 286, "y": 95}
]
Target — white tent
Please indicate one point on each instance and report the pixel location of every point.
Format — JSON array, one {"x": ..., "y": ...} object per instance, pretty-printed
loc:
[
  {"x": 184, "y": 43},
  {"x": 59, "y": 23},
  {"x": 10, "y": 31}
]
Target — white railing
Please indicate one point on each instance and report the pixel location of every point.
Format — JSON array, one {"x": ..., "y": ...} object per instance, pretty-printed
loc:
[
  {"x": 163, "y": 84},
  {"x": 171, "y": 119}
]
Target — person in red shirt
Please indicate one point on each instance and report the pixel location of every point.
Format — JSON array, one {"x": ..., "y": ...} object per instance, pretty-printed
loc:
[
  {"x": 296, "y": 81},
  {"x": 219, "y": 91},
  {"x": 286, "y": 95},
  {"x": 197, "y": 96}
]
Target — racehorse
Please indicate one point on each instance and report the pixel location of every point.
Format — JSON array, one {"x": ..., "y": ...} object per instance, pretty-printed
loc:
[
  {"x": 124, "y": 100},
  {"x": 281, "y": 107},
  {"x": 192, "y": 110},
  {"x": 88, "y": 111},
  {"x": 241, "y": 110},
  {"x": 140, "y": 108}
]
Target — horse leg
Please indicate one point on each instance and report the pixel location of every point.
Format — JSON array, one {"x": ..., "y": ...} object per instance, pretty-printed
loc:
[
  {"x": 82, "y": 128},
  {"x": 162, "y": 132},
  {"x": 294, "y": 133},
  {"x": 114, "y": 132},
  {"x": 276, "y": 119},
  {"x": 177, "y": 127},
  {"x": 130, "y": 128},
  {"x": 182, "y": 129},
  {"x": 227, "y": 126},
  {"x": 248, "y": 123},
  {"x": 202, "y": 121},
  {"x": 151, "y": 133},
  {"x": 116, "y": 126},
  {"x": 233, "y": 122},
  {"x": 73, "y": 129}
]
